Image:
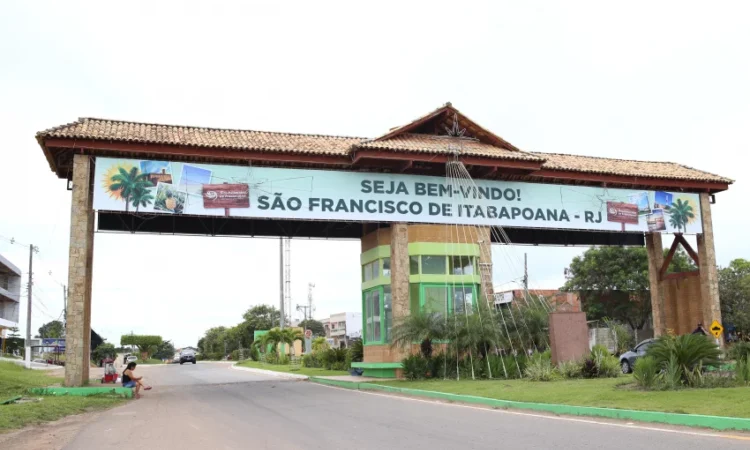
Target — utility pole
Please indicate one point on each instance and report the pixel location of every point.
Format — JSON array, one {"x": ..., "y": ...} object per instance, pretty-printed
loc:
[
  {"x": 281, "y": 283},
  {"x": 525, "y": 275},
  {"x": 27, "y": 357}
]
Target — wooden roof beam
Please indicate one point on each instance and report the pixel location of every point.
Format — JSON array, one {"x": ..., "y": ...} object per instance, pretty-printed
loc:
[{"x": 656, "y": 183}]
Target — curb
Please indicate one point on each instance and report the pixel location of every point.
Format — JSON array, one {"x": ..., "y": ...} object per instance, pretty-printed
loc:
[
  {"x": 689, "y": 420},
  {"x": 83, "y": 391},
  {"x": 288, "y": 376}
]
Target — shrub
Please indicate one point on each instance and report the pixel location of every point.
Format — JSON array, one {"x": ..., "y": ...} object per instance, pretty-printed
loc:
[
  {"x": 673, "y": 373},
  {"x": 540, "y": 368},
  {"x": 742, "y": 371},
  {"x": 319, "y": 344},
  {"x": 310, "y": 360},
  {"x": 283, "y": 360},
  {"x": 646, "y": 372},
  {"x": 357, "y": 351},
  {"x": 599, "y": 349},
  {"x": 739, "y": 351},
  {"x": 600, "y": 364},
  {"x": 415, "y": 367},
  {"x": 254, "y": 353},
  {"x": 570, "y": 369},
  {"x": 682, "y": 354}
]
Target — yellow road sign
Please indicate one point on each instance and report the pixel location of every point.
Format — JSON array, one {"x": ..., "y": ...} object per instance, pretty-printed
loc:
[{"x": 716, "y": 329}]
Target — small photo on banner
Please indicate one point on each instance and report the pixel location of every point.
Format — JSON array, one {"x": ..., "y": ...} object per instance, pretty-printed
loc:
[
  {"x": 656, "y": 221},
  {"x": 157, "y": 171},
  {"x": 169, "y": 199}
]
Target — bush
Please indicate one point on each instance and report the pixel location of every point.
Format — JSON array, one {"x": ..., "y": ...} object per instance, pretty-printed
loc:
[
  {"x": 540, "y": 368},
  {"x": 600, "y": 364},
  {"x": 646, "y": 372},
  {"x": 673, "y": 373},
  {"x": 235, "y": 355},
  {"x": 254, "y": 353},
  {"x": 681, "y": 356},
  {"x": 310, "y": 360},
  {"x": 570, "y": 369},
  {"x": 739, "y": 351},
  {"x": 356, "y": 351},
  {"x": 415, "y": 367},
  {"x": 742, "y": 371}
]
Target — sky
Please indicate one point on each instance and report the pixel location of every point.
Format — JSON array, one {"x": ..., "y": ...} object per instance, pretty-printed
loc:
[{"x": 644, "y": 80}]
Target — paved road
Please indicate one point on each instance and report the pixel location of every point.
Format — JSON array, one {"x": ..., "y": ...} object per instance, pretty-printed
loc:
[{"x": 210, "y": 406}]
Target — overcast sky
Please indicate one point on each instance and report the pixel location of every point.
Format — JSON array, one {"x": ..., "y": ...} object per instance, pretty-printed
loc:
[{"x": 642, "y": 80}]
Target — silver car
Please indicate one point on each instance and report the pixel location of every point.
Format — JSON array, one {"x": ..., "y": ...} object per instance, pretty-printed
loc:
[{"x": 627, "y": 359}]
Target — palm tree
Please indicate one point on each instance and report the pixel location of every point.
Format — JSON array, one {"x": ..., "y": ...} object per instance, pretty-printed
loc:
[
  {"x": 141, "y": 197},
  {"x": 420, "y": 327},
  {"x": 681, "y": 213},
  {"x": 128, "y": 183},
  {"x": 277, "y": 336}
]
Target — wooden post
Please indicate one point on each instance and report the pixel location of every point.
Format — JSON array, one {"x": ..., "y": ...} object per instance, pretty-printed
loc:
[{"x": 655, "y": 253}]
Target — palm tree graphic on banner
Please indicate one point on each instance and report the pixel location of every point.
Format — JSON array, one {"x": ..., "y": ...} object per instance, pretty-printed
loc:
[
  {"x": 132, "y": 186},
  {"x": 680, "y": 214}
]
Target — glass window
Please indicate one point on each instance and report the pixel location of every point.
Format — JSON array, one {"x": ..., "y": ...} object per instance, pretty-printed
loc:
[
  {"x": 414, "y": 297},
  {"x": 414, "y": 265},
  {"x": 463, "y": 299},
  {"x": 462, "y": 265},
  {"x": 386, "y": 267},
  {"x": 370, "y": 271},
  {"x": 435, "y": 299},
  {"x": 388, "y": 308},
  {"x": 375, "y": 269},
  {"x": 433, "y": 265},
  {"x": 372, "y": 315}
]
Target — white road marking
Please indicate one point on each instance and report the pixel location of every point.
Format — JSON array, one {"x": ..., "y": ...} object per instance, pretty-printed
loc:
[{"x": 544, "y": 416}]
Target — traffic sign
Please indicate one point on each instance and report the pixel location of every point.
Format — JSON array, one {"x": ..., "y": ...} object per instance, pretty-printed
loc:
[
  {"x": 308, "y": 334},
  {"x": 716, "y": 329}
]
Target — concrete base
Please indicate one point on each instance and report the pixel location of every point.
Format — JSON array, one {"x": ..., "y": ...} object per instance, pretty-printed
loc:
[{"x": 569, "y": 336}]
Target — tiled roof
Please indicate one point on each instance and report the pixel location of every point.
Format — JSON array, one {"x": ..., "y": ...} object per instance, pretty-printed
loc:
[
  {"x": 112, "y": 130},
  {"x": 133, "y": 132},
  {"x": 426, "y": 143},
  {"x": 644, "y": 169}
]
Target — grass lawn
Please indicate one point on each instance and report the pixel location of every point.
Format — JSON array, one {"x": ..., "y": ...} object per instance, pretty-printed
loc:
[
  {"x": 15, "y": 380},
  {"x": 299, "y": 370},
  {"x": 607, "y": 393}
]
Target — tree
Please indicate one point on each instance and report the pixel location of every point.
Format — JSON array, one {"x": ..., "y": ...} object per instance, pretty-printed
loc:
[
  {"x": 14, "y": 341},
  {"x": 613, "y": 282},
  {"x": 276, "y": 336},
  {"x": 128, "y": 183},
  {"x": 313, "y": 325},
  {"x": 734, "y": 292},
  {"x": 261, "y": 317},
  {"x": 54, "y": 329},
  {"x": 103, "y": 351},
  {"x": 680, "y": 214},
  {"x": 143, "y": 342},
  {"x": 420, "y": 327}
]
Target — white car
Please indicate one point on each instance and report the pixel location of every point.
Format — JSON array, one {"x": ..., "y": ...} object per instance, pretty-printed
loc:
[{"x": 130, "y": 359}]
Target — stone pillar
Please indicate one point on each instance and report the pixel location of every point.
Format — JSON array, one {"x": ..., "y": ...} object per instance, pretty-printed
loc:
[
  {"x": 484, "y": 239},
  {"x": 709, "y": 273},
  {"x": 399, "y": 271},
  {"x": 80, "y": 265},
  {"x": 655, "y": 252}
]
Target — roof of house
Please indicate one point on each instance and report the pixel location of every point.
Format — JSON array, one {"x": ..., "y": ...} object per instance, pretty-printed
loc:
[{"x": 442, "y": 132}]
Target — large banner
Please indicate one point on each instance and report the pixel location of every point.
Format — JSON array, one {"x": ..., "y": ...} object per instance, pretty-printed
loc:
[{"x": 165, "y": 187}]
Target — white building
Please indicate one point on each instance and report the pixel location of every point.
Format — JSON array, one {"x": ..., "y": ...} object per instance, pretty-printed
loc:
[
  {"x": 10, "y": 295},
  {"x": 341, "y": 328}
]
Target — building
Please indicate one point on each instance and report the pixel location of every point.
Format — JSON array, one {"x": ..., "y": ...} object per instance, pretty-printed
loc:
[
  {"x": 341, "y": 328},
  {"x": 10, "y": 296}
]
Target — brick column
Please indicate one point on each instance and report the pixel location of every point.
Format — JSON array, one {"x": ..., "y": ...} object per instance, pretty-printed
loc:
[
  {"x": 709, "y": 273},
  {"x": 655, "y": 252},
  {"x": 399, "y": 272},
  {"x": 80, "y": 265}
]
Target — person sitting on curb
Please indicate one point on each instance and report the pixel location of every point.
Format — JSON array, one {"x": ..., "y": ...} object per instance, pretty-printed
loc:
[{"x": 129, "y": 380}]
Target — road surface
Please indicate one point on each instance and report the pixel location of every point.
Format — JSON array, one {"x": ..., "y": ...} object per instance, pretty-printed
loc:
[{"x": 211, "y": 406}]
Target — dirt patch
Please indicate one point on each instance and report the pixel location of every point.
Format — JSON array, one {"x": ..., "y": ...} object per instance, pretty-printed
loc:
[{"x": 49, "y": 436}]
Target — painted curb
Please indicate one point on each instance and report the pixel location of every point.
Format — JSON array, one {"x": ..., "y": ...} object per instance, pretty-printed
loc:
[
  {"x": 690, "y": 420},
  {"x": 83, "y": 391},
  {"x": 288, "y": 376}
]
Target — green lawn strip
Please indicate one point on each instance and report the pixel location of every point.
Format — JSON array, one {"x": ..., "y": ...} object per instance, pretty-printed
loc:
[
  {"x": 602, "y": 393},
  {"x": 298, "y": 370},
  {"x": 16, "y": 380}
]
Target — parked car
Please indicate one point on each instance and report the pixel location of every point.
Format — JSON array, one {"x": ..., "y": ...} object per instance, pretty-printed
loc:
[
  {"x": 176, "y": 358},
  {"x": 187, "y": 356},
  {"x": 130, "y": 359},
  {"x": 627, "y": 359}
]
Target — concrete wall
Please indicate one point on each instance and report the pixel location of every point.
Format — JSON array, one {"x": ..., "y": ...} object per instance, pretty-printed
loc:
[{"x": 568, "y": 335}]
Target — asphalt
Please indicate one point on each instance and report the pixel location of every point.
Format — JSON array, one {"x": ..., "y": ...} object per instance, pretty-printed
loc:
[{"x": 211, "y": 406}]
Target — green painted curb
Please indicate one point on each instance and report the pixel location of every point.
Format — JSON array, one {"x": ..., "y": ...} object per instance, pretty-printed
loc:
[
  {"x": 10, "y": 400},
  {"x": 83, "y": 391},
  {"x": 690, "y": 420}
]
